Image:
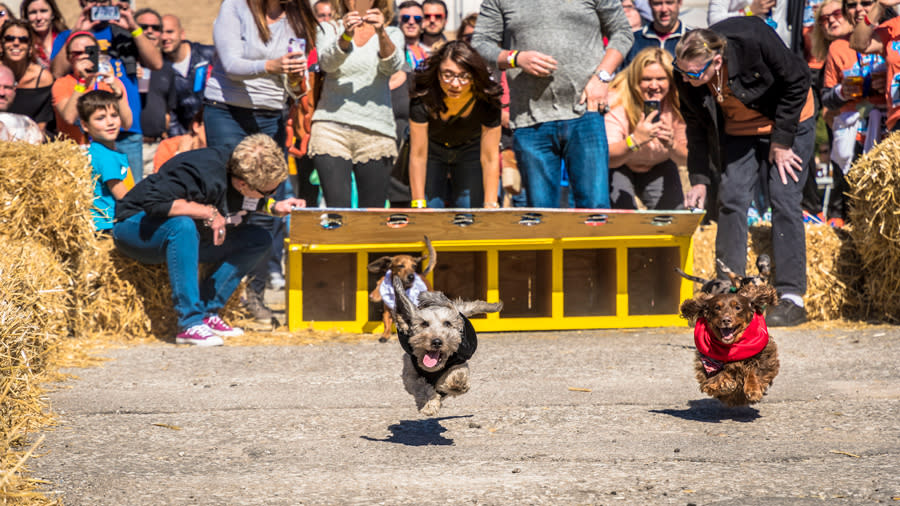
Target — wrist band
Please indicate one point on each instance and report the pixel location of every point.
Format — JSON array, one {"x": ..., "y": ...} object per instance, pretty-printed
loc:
[
  {"x": 418, "y": 204},
  {"x": 511, "y": 59},
  {"x": 80, "y": 88},
  {"x": 347, "y": 37},
  {"x": 137, "y": 32},
  {"x": 632, "y": 145},
  {"x": 866, "y": 20},
  {"x": 747, "y": 11},
  {"x": 270, "y": 206}
]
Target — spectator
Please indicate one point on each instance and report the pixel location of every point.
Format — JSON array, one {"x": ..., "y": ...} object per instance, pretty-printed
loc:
[
  {"x": 180, "y": 143},
  {"x": 323, "y": 10},
  {"x": 554, "y": 107},
  {"x": 98, "y": 111},
  {"x": 870, "y": 37},
  {"x": 158, "y": 97},
  {"x": 740, "y": 71},
  {"x": 127, "y": 46},
  {"x": 191, "y": 62},
  {"x": 851, "y": 103},
  {"x": 454, "y": 131},
  {"x": 353, "y": 129},
  {"x": 665, "y": 31},
  {"x": 467, "y": 28},
  {"x": 33, "y": 82},
  {"x": 635, "y": 21},
  {"x": 246, "y": 94},
  {"x": 14, "y": 127},
  {"x": 5, "y": 13},
  {"x": 193, "y": 210},
  {"x": 411, "y": 15},
  {"x": 435, "y": 16},
  {"x": 47, "y": 22},
  {"x": 84, "y": 77},
  {"x": 646, "y": 145}
]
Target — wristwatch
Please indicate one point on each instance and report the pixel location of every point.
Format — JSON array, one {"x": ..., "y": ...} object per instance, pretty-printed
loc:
[{"x": 604, "y": 76}]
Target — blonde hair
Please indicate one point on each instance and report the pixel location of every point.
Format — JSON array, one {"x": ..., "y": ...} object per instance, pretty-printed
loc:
[
  {"x": 627, "y": 84},
  {"x": 258, "y": 161},
  {"x": 701, "y": 43},
  {"x": 820, "y": 41},
  {"x": 385, "y": 6}
]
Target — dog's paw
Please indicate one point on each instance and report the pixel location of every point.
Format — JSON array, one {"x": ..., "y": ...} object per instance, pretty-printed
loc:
[
  {"x": 431, "y": 407},
  {"x": 720, "y": 383},
  {"x": 457, "y": 384}
]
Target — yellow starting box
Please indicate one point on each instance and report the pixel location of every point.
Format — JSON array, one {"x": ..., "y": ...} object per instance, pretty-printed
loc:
[{"x": 553, "y": 269}]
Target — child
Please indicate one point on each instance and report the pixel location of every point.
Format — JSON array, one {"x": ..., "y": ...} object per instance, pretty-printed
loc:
[
  {"x": 172, "y": 146},
  {"x": 98, "y": 111}
]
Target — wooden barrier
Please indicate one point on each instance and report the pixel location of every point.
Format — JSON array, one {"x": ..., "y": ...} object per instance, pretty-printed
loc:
[{"x": 552, "y": 268}]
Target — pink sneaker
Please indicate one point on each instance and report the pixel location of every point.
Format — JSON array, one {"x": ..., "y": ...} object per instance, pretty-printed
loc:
[
  {"x": 199, "y": 335},
  {"x": 220, "y": 328}
]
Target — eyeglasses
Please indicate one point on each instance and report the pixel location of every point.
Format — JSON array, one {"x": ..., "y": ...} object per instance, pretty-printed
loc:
[
  {"x": 76, "y": 54},
  {"x": 23, "y": 39},
  {"x": 3, "y": 13},
  {"x": 826, "y": 18},
  {"x": 265, "y": 194},
  {"x": 693, "y": 75},
  {"x": 437, "y": 17},
  {"x": 864, "y": 3},
  {"x": 155, "y": 28},
  {"x": 404, "y": 18},
  {"x": 448, "y": 77}
]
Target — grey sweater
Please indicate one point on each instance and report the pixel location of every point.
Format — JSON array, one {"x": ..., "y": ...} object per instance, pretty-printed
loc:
[{"x": 571, "y": 31}]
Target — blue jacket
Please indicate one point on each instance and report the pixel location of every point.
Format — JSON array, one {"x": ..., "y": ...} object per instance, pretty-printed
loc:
[
  {"x": 189, "y": 98},
  {"x": 647, "y": 37}
]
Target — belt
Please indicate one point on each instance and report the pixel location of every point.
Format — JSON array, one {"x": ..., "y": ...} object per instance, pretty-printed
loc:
[{"x": 261, "y": 112}]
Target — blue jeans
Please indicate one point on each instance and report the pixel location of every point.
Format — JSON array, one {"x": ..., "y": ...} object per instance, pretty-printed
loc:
[
  {"x": 464, "y": 187},
  {"x": 176, "y": 242},
  {"x": 132, "y": 144},
  {"x": 581, "y": 143}
]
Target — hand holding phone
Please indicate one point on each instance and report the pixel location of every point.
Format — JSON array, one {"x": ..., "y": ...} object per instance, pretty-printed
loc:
[{"x": 649, "y": 107}]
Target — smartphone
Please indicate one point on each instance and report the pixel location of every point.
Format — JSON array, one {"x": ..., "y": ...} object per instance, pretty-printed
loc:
[
  {"x": 296, "y": 45},
  {"x": 105, "y": 13},
  {"x": 650, "y": 106},
  {"x": 93, "y": 53},
  {"x": 200, "y": 71}
]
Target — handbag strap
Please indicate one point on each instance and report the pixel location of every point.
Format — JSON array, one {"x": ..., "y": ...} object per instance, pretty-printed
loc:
[{"x": 456, "y": 116}]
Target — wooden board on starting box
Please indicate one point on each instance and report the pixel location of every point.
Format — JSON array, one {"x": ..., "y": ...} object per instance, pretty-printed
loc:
[{"x": 553, "y": 269}]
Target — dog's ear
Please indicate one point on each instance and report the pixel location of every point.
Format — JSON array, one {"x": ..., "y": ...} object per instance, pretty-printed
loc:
[
  {"x": 433, "y": 299},
  {"x": 432, "y": 256},
  {"x": 379, "y": 266},
  {"x": 474, "y": 307},
  {"x": 404, "y": 309},
  {"x": 694, "y": 308},
  {"x": 760, "y": 296}
]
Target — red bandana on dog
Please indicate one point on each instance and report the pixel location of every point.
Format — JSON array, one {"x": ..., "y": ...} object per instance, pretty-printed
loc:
[{"x": 754, "y": 339}]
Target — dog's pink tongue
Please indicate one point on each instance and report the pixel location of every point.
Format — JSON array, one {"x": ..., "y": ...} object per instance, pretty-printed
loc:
[
  {"x": 431, "y": 358},
  {"x": 727, "y": 334}
]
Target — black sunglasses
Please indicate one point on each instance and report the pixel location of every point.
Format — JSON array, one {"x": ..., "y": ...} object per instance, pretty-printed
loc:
[
  {"x": 864, "y": 3},
  {"x": 155, "y": 28},
  {"x": 406, "y": 17},
  {"x": 265, "y": 194},
  {"x": 23, "y": 39}
]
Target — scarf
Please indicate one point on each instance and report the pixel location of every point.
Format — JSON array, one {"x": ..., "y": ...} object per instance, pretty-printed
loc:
[
  {"x": 753, "y": 340},
  {"x": 390, "y": 298}
]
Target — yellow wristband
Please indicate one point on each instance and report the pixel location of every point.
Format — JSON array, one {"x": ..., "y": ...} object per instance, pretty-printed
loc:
[
  {"x": 629, "y": 141},
  {"x": 270, "y": 206},
  {"x": 137, "y": 32},
  {"x": 347, "y": 37},
  {"x": 511, "y": 59},
  {"x": 418, "y": 204},
  {"x": 747, "y": 11},
  {"x": 80, "y": 88}
]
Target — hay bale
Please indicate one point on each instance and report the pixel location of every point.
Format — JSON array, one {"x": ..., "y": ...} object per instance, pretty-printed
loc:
[
  {"x": 833, "y": 281},
  {"x": 874, "y": 210}
]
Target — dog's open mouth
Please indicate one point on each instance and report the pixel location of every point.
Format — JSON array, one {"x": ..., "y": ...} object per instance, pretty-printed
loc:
[
  {"x": 728, "y": 334},
  {"x": 431, "y": 358}
]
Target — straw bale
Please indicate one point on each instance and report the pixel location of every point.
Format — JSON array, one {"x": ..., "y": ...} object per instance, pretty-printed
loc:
[
  {"x": 874, "y": 197},
  {"x": 833, "y": 280}
]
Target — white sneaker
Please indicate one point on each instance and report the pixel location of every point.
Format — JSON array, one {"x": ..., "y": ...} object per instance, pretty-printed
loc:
[
  {"x": 276, "y": 281},
  {"x": 220, "y": 328},
  {"x": 199, "y": 335}
]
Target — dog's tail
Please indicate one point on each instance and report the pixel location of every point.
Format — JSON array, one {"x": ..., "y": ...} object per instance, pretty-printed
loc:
[
  {"x": 432, "y": 256},
  {"x": 688, "y": 277}
]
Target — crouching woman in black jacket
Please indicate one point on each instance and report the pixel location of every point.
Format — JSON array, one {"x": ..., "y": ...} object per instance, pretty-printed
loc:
[
  {"x": 750, "y": 117},
  {"x": 194, "y": 210}
]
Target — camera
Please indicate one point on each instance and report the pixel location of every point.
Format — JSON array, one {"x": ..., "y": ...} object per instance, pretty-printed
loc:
[
  {"x": 650, "y": 106},
  {"x": 105, "y": 13}
]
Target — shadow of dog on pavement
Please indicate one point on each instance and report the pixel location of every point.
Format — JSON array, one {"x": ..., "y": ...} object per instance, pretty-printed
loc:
[
  {"x": 711, "y": 411},
  {"x": 425, "y": 432}
]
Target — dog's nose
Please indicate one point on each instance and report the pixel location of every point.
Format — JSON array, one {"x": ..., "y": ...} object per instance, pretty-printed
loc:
[
  {"x": 436, "y": 343},
  {"x": 411, "y": 278}
]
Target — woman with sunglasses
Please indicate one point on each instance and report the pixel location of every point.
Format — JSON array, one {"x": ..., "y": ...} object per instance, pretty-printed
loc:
[
  {"x": 47, "y": 22},
  {"x": 750, "y": 116},
  {"x": 353, "y": 129},
  {"x": 5, "y": 13},
  {"x": 454, "y": 131},
  {"x": 646, "y": 134},
  {"x": 33, "y": 81}
]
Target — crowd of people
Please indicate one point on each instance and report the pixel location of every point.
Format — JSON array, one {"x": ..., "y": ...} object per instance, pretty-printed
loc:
[{"x": 602, "y": 105}]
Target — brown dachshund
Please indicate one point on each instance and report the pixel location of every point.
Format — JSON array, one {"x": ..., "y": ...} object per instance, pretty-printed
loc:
[
  {"x": 404, "y": 268},
  {"x": 736, "y": 360}
]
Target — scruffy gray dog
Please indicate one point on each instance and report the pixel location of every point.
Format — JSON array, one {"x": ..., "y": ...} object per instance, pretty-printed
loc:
[{"x": 438, "y": 339}]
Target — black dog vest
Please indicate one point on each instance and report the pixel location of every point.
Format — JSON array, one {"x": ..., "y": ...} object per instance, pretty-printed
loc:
[{"x": 466, "y": 349}]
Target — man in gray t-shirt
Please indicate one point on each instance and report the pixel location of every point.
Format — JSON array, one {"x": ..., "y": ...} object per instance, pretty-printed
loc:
[{"x": 558, "y": 74}]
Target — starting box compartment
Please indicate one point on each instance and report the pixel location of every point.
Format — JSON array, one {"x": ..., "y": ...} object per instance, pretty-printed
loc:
[{"x": 553, "y": 269}]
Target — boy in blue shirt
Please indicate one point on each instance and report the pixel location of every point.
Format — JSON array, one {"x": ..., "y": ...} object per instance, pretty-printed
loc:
[{"x": 99, "y": 114}]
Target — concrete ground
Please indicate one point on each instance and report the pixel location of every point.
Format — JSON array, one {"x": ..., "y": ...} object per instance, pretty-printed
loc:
[{"x": 591, "y": 417}]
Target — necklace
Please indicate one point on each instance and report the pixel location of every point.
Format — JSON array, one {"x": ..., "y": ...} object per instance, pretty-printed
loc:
[{"x": 718, "y": 88}]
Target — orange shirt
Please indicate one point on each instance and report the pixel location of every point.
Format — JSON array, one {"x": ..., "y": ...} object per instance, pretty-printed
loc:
[
  {"x": 741, "y": 120},
  {"x": 840, "y": 58},
  {"x": 63, "y": 88},
  {"x": 889, "y": 33},
  {"x": 166, "y": 150}
]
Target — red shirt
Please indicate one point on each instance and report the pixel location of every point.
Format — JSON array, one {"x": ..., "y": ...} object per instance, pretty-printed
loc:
[{"x": 889, "y": 33}]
